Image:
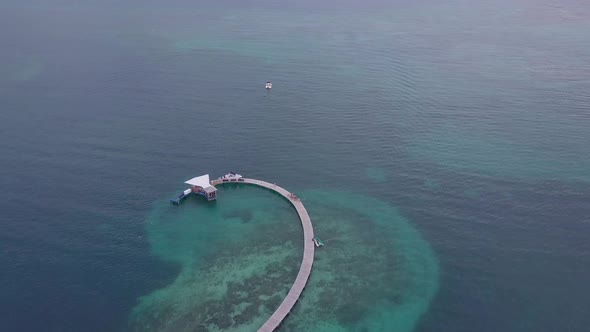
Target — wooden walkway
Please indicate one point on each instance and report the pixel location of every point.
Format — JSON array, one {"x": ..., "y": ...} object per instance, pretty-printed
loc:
[{"x": 308, "y": 251}]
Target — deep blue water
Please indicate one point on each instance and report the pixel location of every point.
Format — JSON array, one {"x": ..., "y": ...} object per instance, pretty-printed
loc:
[{"x": 470, "y": 118}]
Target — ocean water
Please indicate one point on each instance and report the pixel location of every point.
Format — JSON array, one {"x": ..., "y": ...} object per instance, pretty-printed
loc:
[{"x": 439, "y": 147}]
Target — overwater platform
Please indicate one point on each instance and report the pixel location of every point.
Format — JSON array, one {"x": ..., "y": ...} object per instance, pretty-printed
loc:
[{"x": 309, "y": 242}]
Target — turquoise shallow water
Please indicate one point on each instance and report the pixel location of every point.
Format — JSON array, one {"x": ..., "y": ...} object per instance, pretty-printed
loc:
[
  {"x": 231, "y": 252},
  {"x": 440, "y": 149},
  {"x": 240, "y": 256}
]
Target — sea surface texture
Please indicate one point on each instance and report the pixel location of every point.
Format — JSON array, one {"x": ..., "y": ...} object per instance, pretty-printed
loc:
[{"x": 441, "y": 148}]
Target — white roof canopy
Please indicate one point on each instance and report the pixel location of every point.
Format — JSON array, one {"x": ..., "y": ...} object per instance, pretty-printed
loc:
[{"x": 200, "y": 181}]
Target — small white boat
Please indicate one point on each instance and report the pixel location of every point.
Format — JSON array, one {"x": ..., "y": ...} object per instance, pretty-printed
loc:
[
  {"x": 318, "y": 242},
  {"x": 268, "y": 85},
  {"x": 231, "y": 176}
]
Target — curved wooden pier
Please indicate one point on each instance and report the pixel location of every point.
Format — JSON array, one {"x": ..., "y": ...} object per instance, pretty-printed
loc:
[{"x": 308, "y": 252}]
